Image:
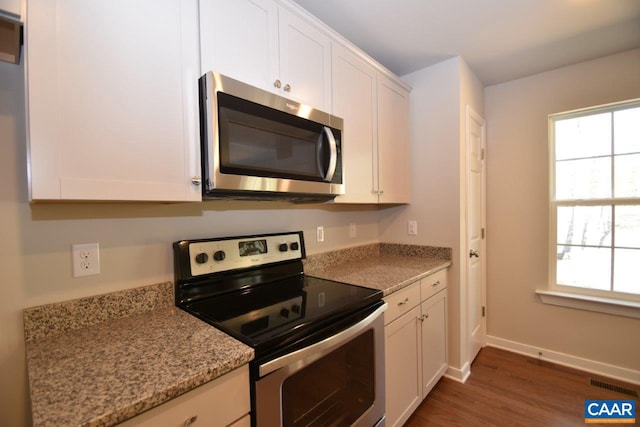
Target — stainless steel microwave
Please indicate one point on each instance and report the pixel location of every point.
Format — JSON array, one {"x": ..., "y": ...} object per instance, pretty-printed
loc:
[{"x": 258, "y": 145}]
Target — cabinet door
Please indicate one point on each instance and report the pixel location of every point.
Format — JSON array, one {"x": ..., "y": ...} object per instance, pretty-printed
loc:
[
  {"x": 305, "y": 61},
  {"x": 434, "y": 343},
  {"x": 403, "y": 367},
  {"x": 12, "y": 7},
  {"x": 394, "y": 161},
  {"x": 354, "y": 99},
  {"x": 112, "y": 99},
  {"x": 239, "y": 39}
]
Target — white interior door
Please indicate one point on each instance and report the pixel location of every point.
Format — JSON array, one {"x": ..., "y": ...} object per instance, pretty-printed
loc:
[{"x": 475, "y": 147}]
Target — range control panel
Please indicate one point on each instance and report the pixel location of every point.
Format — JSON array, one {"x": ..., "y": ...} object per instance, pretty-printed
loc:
[{"x": 216, "y": 255}]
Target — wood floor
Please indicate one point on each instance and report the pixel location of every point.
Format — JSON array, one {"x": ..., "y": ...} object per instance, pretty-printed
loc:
[{"x": 507, "y": 389}]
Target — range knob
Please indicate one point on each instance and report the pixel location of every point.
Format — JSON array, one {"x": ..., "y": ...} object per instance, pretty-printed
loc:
[
  {"x": 295, "y": 246},
  {"x": 295, "y": 308},
  {"x": 219, "y": 255},
  {"x": 284, "y": 313},
  {"x": 201, "y": 258},
  {"x": 283, "y": 247}
]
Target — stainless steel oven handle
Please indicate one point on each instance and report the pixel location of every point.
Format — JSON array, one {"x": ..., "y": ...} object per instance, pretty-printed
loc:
[
  {"x": 333, "y": 160},
  {"x": 323, "y": 346}
]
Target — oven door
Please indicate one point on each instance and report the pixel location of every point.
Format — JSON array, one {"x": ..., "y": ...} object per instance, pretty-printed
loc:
[{"x": 338, "y": 381}]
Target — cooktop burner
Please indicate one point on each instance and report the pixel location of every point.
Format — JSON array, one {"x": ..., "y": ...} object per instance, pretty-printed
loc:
[{"x": 254, "y": 288}]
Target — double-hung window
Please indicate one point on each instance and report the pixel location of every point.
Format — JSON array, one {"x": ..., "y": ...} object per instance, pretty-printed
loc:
[{"x": 595, "y": 201}]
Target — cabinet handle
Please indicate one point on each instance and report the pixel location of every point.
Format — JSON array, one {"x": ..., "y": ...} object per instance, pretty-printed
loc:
[
  {"x": 195, "y": 180},
  {"x": 287, "y": 88},
  {"x": 436, "y": 284},
  {"x": 474, "y": 254},
  {"x": 423, "y": 317},
  {"x": 192, "y": 419},
  {"x": 277, "y": 84},
  {"x": 406, "y": 300}
]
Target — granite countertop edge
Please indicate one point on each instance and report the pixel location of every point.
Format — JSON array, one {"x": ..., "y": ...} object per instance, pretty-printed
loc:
[
  {"x": 395, "y": 288},
  {"x": 384, "y": 266},
  {"x": 128, "y": 352}
]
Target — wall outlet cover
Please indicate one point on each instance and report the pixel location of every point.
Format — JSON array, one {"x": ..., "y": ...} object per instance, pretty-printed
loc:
[{"x": 86, "y": 259}]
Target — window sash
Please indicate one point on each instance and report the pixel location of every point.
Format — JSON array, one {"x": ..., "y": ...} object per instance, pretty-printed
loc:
[{"x": 555, "y": 204}]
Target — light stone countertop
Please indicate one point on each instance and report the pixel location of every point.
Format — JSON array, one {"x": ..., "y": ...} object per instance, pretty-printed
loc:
[
  {"x": 101, "y": 360},
  {"x": 384, "y": 266},
  {"x": 105, "y": 373}
]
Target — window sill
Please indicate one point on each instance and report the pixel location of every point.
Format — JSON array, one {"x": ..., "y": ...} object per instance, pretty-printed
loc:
[{"x": 591, "y": 303}]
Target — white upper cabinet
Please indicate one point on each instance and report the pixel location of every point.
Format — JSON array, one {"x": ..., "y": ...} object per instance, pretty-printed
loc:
[
  {"x": 305, "y": 61},
  {"x": 354, "y": 99},
  {"x": 112, "y": 99},
  {"x": 11, "y": 7},
  {"x": 268, "y": 46},
  {"x": 376, "y": 146},
  {"x": 394, "y": 147},
  {"x": 239, "y": 39}
]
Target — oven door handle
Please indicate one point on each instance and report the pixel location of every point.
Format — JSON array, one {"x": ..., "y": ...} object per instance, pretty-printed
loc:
[{"x": 321, "y": 348}]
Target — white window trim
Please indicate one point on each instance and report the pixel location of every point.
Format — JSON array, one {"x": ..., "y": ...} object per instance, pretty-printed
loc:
[
  {"x": 567, "y": 296},
  {"x": 590, "y": 303}
]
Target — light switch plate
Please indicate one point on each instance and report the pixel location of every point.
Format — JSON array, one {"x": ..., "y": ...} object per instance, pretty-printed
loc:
[{"x": 412, "y": 228}]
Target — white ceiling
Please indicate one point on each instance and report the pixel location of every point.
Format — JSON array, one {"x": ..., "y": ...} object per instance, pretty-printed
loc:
[{"x": 500, "y": 39}]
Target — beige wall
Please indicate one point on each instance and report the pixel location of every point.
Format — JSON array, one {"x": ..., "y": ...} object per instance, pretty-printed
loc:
[
  {"x": 135, "y": 241},
  {"x": 438, "y": 99},
  {"x": 517, "y": 225}
]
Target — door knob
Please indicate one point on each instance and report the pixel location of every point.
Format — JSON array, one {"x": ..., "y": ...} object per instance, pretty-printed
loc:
[{"x": 474, "y": 254}]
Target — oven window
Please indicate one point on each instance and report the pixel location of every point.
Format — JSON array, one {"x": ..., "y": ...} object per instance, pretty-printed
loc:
[{"x": 334, "y": 390}]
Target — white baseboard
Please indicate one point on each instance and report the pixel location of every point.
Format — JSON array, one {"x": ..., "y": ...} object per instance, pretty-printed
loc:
[
  {"x": 599, "y": 368},
  {"x": 459, "y": 375}
]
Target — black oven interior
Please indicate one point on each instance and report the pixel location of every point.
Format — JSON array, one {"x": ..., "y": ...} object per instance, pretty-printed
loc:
[{"x": 334, "y": 390}]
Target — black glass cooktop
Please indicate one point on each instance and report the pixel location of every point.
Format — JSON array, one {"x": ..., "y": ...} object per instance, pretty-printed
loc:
[{"x": 275, "y": 314}]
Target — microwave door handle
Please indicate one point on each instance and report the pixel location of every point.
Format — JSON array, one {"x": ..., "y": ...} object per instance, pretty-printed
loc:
[{"x": 333, "y": 150}]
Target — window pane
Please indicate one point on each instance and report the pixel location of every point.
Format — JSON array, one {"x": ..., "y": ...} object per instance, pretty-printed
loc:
[
  {"x": 583, "y": 179},
  {"x": 584, "y": 267},
  {"x": 627, "y": 131},
  {"x": 583, "y": 136},
  {"x": 584, "y": 225},
  {"x": 626, "y": 277},
  {"x": 627, "y": 175},
  {"x": 628, "y": 227}
]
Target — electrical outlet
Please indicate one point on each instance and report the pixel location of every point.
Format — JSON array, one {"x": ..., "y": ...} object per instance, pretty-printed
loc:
[
  {"x": 352, "y": 230},
  {"x": 320, "y": 234},
  {"x": 86, "y": 259},
  {"x": 412, "y": 228}
]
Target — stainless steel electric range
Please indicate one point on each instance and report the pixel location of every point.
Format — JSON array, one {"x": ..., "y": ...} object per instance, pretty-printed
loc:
[{"x": 319, "y": 344}]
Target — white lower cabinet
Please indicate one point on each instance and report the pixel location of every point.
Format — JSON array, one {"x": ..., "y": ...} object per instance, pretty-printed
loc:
[
  {"x": 219, "y": 403},
  {"x": 415, "y": 345},
  {"x": 434, "y": 342}
]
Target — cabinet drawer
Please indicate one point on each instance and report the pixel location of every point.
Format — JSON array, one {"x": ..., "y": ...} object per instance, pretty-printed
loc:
[
  {"x": 401, "y": 302},
  {"x": 433, "y": 284},
  {"x": 218, "y": 403}
]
